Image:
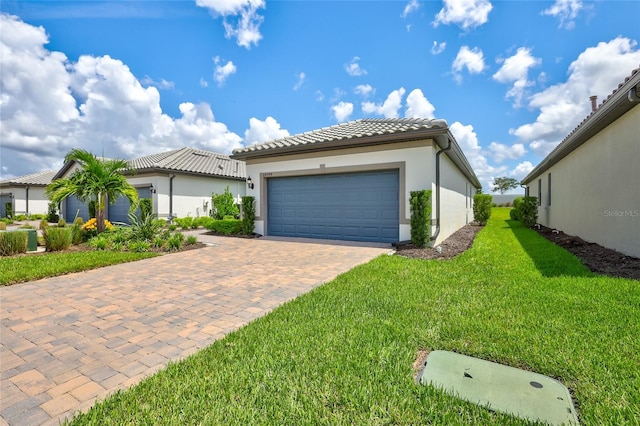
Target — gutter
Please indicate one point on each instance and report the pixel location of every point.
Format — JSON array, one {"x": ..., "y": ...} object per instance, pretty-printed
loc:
[{"x": 437, "y": 218}]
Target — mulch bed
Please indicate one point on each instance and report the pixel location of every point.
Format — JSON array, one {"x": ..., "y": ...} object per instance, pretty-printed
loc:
[
  {"x": 217, "y": 234},
  {"x": 458, "y": 242},
  {"x": 598, "y": 259}
]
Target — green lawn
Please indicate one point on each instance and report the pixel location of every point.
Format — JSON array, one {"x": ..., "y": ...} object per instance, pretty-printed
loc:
[
  {"x": 343, "y": 353},
  {"x": 18, "y": 269}
]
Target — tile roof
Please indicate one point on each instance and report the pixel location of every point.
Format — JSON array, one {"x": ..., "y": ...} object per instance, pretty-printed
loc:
[
  {"x": 609, "y": 110},
  {"x": 190, "y": 160},
  {"x": 40, "y": 179},
  {"x": 352, "y": 130}
]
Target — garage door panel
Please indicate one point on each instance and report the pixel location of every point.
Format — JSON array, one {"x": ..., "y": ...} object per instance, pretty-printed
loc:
[
  {"x": 119, "y": 211},
  {"x": 349, "y": 206}
]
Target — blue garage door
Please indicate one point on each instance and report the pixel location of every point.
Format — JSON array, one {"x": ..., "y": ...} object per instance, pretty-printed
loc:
[
  {"x": 119, "y": 211},
  {"x": 76, "y": 206},
  {"x": 4, "y": 199},
  {"x": 347, "y": 206}
]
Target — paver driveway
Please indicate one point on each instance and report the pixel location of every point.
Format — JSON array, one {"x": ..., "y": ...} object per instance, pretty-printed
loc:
[{"x": 68, "y": 340}]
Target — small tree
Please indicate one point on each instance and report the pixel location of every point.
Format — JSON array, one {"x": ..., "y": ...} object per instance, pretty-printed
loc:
[
  {"x": 224, "y": 205},
  {"x": 503, "y": 184}
]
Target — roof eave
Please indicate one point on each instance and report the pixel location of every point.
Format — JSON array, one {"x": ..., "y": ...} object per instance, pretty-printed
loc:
[
  {"x": 607, "y": 113},
  {"x": 165, "y": 170}
]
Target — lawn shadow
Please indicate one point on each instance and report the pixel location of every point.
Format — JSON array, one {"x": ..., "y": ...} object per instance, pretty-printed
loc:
[{"x": 550, "y": 259}]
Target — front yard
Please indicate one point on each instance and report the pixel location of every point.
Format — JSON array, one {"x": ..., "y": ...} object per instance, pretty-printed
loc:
[{"x": 343, "y": 354}]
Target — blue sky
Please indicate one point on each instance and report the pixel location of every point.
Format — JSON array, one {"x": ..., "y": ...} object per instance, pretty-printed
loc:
[{"x": 130, "y": 78}]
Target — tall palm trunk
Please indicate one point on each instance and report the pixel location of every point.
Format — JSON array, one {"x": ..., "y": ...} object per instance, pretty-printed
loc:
[{"x": 100, "y": 206}]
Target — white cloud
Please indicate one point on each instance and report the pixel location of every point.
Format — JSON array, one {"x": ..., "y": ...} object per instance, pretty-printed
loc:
[
  {"x": 418, "y": 106},
  {"x": 342, "y": 111},
  {"x": 51, "y": 105},
  {"x": 438, "y": 48},
  {"x": 353, "y": 68},
  {"x": 162, "y": 84},
  {"x": 364, "y": 90},
  {"x": 263, "y": 131},
  {"x": 501, "y": 152},
  {"x": 203, "y": 82},
  {"x": 465, "y": 13},
  {"x": 411, "y": 7},
  {"x": 521, "y": 170},
  {"x": 515, "y": 69},
  {"x": 468, "y": 141},
  {"x": 471, "y": 59},
  {"x": 566, "y": 11},
  {"x": 597, "y": 71},
  {"x": 223, "y": 72},
  {"x": 300, "y": 79},
  {"x": 240, "y": 18},
  {"x": 389, "y": 108},
  {"x": 319, "y": 96}
]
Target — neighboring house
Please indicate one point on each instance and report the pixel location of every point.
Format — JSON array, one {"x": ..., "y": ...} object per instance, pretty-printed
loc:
[
  {"x": 179, "y": 182},
  {"x": 588, "y": 186},
  {"x": 352, "y": 181},
  {"x": 26, "y": 193}
]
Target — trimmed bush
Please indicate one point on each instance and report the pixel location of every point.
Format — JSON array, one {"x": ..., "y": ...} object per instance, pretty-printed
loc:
[
  {"x": 248, "y": 214},
  {"x": 226, "y": 227},
  {"x": 513, "y": 215},
  {"x": 56, "y": 239},
  {"x": 482, "y": 208},
  {"x": 420, "y": 202},
  {"x": 224, "y": 205},
  {"x": 184, "y": 222},
  {"x": 13, "y": 242},
  {"x": 527, "y": 211}
]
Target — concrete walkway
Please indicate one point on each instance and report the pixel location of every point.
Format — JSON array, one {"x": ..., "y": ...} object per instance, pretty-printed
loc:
[{"x": 70, "y": 340}]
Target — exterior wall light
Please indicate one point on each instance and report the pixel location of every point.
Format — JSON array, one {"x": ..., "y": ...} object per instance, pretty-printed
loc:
[{"x": 250, "y": 184}]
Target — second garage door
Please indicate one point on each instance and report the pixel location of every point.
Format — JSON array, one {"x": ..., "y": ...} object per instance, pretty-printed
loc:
[{"x": 347, "y": 206}]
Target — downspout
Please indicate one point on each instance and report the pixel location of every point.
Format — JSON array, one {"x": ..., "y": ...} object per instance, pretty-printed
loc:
[
  {"x": 171, "y": 177},
  {"x": 26, "y": 190},
  {"x": 437, "y": 219}
]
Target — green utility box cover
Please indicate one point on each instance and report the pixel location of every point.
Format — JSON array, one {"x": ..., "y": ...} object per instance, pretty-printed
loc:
[
  {"x": 499, "y": 387},
  {"x": 32, "y": 240}
]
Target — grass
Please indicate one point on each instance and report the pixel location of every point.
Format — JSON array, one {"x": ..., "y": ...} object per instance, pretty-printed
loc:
[
  {"x": 32, "y": 267},
  {"x": 343, "y": 353}
]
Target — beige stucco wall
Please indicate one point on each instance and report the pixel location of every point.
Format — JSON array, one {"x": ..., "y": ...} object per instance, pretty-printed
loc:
[
  {"x": 595, "y": 190},
  {"x": 456, "y": 199},
  {"x": 38, "y": 202},
  {"x": 415, "y": 160}
]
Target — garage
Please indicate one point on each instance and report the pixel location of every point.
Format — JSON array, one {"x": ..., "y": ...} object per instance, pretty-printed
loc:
[
  {"x": 4, "y": 200},
  {"x": 362, "y": 206},
  {"x": 75, "y": 207},
  {"x": 119, "y": 211}
]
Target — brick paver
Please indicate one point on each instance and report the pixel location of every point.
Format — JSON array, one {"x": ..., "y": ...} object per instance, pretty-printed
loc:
[{"x": 67, "y": 341}]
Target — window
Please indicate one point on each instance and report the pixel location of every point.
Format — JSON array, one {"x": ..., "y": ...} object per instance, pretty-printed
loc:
[
  {"x": 539, "y": 192},
  {"x": 549, "y": 190}
]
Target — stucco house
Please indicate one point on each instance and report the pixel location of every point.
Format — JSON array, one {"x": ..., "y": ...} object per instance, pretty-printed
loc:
[
  {"x": 26, "y": 193},
  {"x": 352, "y": 181},
  {"x": 179, "y": 182},
  {"x": 588, "y": 186}
]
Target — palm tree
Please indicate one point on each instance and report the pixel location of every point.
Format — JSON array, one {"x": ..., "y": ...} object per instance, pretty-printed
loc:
[{"x": 97, "y": 180}]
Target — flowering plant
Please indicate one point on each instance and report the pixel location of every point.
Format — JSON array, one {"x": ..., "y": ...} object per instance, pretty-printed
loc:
[{"x": 92, "y": 225}]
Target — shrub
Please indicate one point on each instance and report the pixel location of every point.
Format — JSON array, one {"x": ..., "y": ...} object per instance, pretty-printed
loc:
[
  {"x": 513, "y": 215},
  {"x": 226, "y": 227},
  {"x": 100, "y": 242},
  {"x": 77, "y": 234},
  {"x": 8, "y": 208},
  {"x": 92, "y": 225},
  {"x": 43, "y": 224},
  {"x": 517, "y": 202},
  {"x": 420, "y": 202},
  {"x": 52, "y": 213},
  {"x": 482, "y": 208},
  {"x": 3, "y": 226},
  {"x": 184, "y": 222},
  {"x": 21, "y": 217},
  {"x": 191, "y": 239},
  {"x": 248, "y": 214},
  {"x": 158, "y": 242},
  {"x": 175, "y": 241},
  {"x": 172, "y": 227},
  {"x": 527, "y": 211},
  {"x": 6, "y": 220},
  {"x": 56, "y": 239},
  {"x": 62, "y": 223},
  {"x": 138, "y": 246},
  {"x": 146, "y": 207},
  {"x": 13, "y": 242},
  {"x": 27, "y": 226},
  {"x": 143, "y": 228},
  {"x": 37, "y": 216},
  {"x": 224, "y": 205}
]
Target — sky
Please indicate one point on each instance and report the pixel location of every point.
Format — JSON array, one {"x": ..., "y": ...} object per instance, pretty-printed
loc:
[{"x": 124, "y": 79}]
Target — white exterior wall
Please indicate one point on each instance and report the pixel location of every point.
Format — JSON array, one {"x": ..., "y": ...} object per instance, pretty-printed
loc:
[
  {"x": 456, "y": 199},
  {"x": 38, "y": 202},
  {"x": 595, "y": 192},
  {"x": 419, "y": 173},
  {"x": 189, "y": 192}
]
